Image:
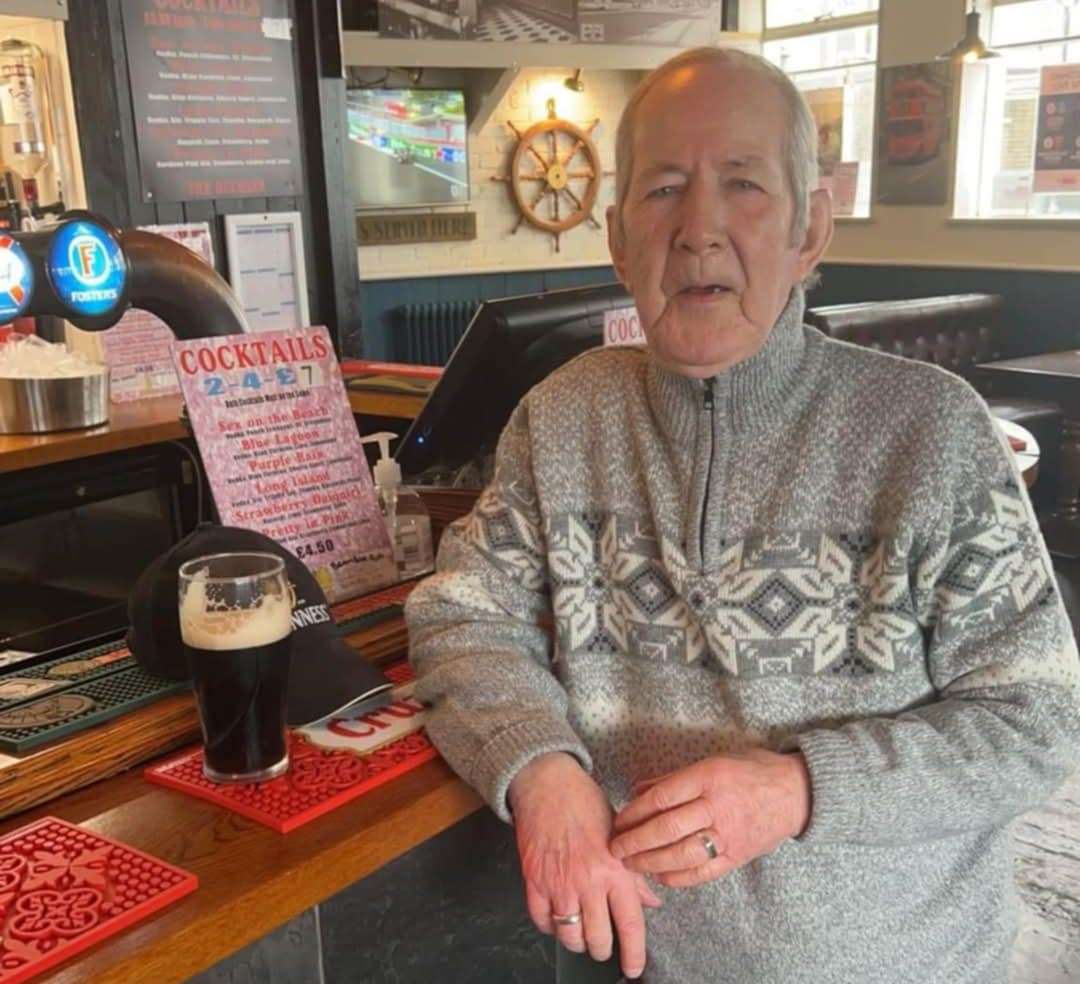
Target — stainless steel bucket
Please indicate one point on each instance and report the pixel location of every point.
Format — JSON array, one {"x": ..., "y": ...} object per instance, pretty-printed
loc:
[{"x": 34, "y": 406}]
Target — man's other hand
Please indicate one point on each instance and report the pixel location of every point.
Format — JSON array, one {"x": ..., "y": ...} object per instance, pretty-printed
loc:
[
  {"x": 564, "y": 824},
  {"x": 701, "y": 822}
]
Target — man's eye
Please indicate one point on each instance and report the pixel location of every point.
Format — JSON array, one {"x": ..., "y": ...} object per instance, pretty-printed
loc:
[
  {"x": 662, "y": 192},
  {"x": 742, "y": 184}
]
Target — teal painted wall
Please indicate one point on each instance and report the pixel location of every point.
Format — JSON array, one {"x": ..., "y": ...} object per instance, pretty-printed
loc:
[{"x": 1041, "y": 307}]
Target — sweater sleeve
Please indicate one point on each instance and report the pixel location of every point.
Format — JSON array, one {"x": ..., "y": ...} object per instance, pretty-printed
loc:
[
  {"x": 1004, "y": 729},
  {"x": 479, "y": 636}
]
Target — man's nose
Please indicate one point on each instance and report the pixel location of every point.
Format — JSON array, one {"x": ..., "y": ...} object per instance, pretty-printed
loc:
[{"x": 702, "y": 220}]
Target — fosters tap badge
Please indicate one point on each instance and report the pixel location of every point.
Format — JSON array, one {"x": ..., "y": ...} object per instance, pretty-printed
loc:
[
  {"x": 16, "y": 279},
  {"x": 87, "y": 268}
]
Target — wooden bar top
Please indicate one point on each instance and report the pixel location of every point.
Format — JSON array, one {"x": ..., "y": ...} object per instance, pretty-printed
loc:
[
  {"x": 251, "y": 879},
  {"x": 142, "y": 422},
  {"x": 403, "y": 405},
  {"x": 102, "y": 751},
  {"x": 130, "y": 425}
]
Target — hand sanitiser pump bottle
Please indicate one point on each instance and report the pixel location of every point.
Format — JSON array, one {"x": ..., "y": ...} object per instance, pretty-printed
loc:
[{"x": 407, "y": 520}]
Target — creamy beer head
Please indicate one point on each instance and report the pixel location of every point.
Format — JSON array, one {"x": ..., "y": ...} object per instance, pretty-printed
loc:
[
  {"x": 204, "y": 628},
  {"x": 209, "y": 622}
]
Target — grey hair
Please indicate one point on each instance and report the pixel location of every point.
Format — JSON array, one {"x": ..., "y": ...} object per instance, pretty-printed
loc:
[{"x": 800, "y": 146}]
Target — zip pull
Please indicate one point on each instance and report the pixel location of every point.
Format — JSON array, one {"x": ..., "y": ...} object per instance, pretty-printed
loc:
[{"x": 709, "y": 383}]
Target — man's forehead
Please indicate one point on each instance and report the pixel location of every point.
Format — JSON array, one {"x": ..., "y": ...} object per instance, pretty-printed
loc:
[
  {"x": 664, "y": 159},
  {"x": 670, "y": 147},
  {"x": 738, "y": 113},
  {"x": 716, "y": 76}
]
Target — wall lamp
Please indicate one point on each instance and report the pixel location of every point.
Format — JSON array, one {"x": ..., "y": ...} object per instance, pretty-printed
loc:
[{"x": 573, "y": 82}]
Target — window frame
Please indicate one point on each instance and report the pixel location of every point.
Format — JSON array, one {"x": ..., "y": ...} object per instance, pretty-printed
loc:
[
  {"x": 828, "y": 25},
  {"x": 976, "y": 145},
  {"x": 827, "y": 22}
]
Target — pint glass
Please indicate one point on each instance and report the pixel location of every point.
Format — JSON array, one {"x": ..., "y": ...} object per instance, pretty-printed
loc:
[{"x": 235, "y": 621}]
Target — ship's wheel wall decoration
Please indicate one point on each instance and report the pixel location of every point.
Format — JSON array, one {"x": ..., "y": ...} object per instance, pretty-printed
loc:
[{"x": 555, "y": 175}]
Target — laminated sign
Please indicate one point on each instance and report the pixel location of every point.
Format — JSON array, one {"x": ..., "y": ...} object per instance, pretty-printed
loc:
[
  {"x": 283, "y": 454},
  {"x": 622, "y": 326},
  {"x": 1057, "y": 138}
]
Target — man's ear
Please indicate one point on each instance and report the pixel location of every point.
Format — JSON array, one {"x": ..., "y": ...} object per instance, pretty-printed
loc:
[
  {"x": 616, "y": 243},
  {"x": 819, "y": 232}
]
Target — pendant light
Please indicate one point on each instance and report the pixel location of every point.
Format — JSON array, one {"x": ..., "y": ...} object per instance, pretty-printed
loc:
[{"x": 969, "y": 48}]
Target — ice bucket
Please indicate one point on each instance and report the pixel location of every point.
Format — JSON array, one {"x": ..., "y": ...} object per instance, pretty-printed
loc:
[{"x": 34, "y": 406}]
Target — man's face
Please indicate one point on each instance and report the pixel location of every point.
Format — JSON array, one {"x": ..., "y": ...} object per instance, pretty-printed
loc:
[{"x": 705, "y": 239}]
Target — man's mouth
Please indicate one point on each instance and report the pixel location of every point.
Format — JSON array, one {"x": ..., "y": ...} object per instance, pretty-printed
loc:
[{"x": 705, "y": 290}]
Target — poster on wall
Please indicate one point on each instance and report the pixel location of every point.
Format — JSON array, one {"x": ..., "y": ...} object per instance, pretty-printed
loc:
[
  {"x": 677, "y": 23},
  {"x": 915, "y": 134},
  {"x": 445, "y": 20},
  {"x": 827, "y": 107},
  {"x": 138, "y": 347},
  {"x": 843, "y": 185},
  {"x": 1057, "y": 140},
  {"x": 214, "y": 94}
]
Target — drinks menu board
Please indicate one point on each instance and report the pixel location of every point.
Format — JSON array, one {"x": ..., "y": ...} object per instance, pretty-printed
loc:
[
  {"x": 136, "y": 349},
  {"x": 283, "y": 454},
  {"x": 214, "y": 93}
]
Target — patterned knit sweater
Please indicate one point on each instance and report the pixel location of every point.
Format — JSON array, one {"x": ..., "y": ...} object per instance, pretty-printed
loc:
[{"x": 823, "y": 548}]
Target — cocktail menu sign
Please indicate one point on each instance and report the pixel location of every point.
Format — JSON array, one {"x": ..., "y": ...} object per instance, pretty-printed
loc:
[{"x": 282, "y": 452}]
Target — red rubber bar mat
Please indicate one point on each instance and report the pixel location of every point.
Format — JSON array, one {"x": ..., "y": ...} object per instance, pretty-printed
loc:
[
  {"x": 318, "y": 780},
  {"x": 63, "y": 889}
]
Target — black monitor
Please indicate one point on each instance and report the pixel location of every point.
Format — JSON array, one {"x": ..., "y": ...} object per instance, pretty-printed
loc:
[{"x": 510, "y": 345}]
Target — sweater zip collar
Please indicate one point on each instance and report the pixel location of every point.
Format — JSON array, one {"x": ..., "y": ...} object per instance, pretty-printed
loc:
[
  {"x": 710, "y": 423},
  {"x": 700, "y": 418},
  {"x": 748, "y": 395}
]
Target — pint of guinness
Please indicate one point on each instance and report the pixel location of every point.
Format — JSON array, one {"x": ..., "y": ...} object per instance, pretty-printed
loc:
[{"x": 235, "y": 620}]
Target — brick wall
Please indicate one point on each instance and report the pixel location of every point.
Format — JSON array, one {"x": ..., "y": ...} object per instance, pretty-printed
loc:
[{"x": 494, "y": 248}]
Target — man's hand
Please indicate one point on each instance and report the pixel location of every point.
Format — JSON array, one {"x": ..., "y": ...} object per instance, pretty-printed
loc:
[
  {"x": 701, "y": 822},
  {"x": 563, "y": 823}
]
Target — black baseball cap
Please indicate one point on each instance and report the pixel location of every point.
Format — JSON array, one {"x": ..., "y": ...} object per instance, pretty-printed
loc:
[{"x": 325, "y": 674}]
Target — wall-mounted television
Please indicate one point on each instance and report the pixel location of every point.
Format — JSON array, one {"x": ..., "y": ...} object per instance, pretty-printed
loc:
[{"x": 407, "y": 147}]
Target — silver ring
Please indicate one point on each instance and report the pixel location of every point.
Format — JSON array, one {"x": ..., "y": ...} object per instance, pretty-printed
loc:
[
  {"x": 710, "y": 847},
  {"x": 571, "y": 920}
]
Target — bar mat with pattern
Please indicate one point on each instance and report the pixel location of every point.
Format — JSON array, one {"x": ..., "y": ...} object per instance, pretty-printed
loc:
[
  {"x": 329, "y": 764},
  {"x": 25, "y": 726},
  {"x": 18, "y": 686},
  {"x": 63, "y": 889}
]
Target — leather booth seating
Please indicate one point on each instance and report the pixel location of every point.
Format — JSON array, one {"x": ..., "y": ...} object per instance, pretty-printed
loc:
[{"x": 957, "y": 332}]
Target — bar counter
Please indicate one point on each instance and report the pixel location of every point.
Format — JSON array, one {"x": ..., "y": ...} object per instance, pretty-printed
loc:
[
  {"x": 251, "y": 879},
  {"x": 151, "y": 421}
]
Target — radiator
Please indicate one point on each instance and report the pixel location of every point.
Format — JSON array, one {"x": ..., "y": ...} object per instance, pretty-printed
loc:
[{"x": 425, "y": 334}]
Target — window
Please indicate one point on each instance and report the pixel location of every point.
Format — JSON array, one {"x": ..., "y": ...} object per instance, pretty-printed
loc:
[
  {"x": 999, "y": 118},
  {"x": 829, "y": 49}
]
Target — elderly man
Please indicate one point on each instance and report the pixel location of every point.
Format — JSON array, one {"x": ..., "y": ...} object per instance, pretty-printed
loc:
[{"x": 808, "y": 659}]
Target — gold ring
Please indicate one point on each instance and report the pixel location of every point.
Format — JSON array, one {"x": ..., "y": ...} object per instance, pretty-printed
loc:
[{"x": 710, "y": 847}]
